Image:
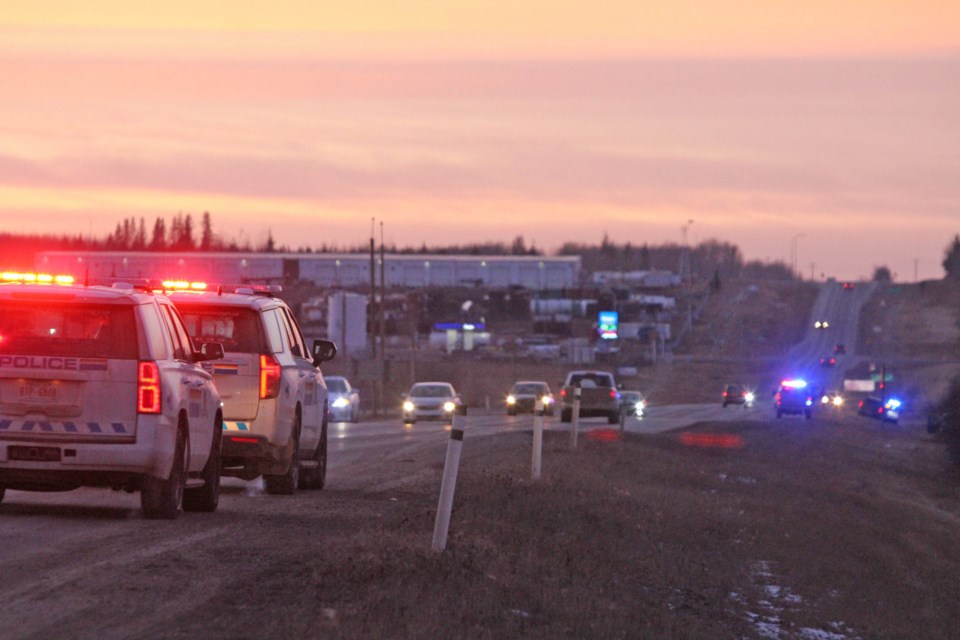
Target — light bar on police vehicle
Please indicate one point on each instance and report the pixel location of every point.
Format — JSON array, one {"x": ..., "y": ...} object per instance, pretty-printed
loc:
[
  {"x": 794, "y": 384},
  {"x": 184, "y": 285},
  {"x": 35, "y": 278}
]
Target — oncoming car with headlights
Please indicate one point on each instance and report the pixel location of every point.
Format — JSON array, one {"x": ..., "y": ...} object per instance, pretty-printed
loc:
[
  {"x": 524, "y": 395},
  {"x": 633, "y": 404},
  {"x": 101, "y": 386},
  {"x": 344, "y": 399},
  {"x": 430, "y": 401}
]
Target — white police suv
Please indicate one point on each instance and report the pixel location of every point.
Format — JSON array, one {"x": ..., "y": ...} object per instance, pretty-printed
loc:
[
  {"x": 274, "y": 396},
  {"x": 101, "y": 386}
]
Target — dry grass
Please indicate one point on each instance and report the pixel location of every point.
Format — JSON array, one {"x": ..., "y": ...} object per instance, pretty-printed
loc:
[{"x": 825, "y": 525}]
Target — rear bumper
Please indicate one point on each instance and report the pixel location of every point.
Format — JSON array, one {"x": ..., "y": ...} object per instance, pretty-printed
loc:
[
  {"x": 594, "y": 411},
  {"x": 89, "y": 463},
  {"x": 247, "y": 455}
]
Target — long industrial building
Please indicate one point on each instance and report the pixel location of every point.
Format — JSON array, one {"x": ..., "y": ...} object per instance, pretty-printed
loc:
[{"x": 347, "y": 270}]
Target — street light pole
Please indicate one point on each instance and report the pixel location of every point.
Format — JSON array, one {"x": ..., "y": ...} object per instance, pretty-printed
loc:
[{"x": 794, "y": 257}]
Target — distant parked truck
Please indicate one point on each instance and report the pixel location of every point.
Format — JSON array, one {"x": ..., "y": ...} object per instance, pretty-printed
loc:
[{"x": 598, "y": 395}]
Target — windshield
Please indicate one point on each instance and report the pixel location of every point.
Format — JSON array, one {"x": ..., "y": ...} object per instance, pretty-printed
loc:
[
  {"x": 431, "y": 391},
  {"x": 529, "y": 389},
  {"x": 74, "y": 330},
  {"x": 337, "y": 385},
  {"x": 237, "y": 328}
]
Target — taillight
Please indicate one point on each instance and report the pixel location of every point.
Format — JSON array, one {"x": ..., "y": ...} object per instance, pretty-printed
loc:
[
  {"x": 148, "y": 388},
  {"x": 563, "y": 393},
  {"x": 613, "y": 393},
  {"x": 269, "y": 377}
]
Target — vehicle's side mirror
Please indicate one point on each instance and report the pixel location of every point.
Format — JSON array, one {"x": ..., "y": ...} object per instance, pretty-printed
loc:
[
  {"x": 210, "y": 351},
  {"x": 323, "y": 350}
]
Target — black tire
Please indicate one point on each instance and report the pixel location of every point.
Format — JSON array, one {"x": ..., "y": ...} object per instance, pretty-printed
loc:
[
  {"x": 206, "y": 498},
  {"x": 724, "y": 405},
  {"x": 316, "y": 479},
  {"x": 163, "y": 499},
  {"x": 808, "y": 414},
  {"x": 286, "y": 484},
  {"x": 566, "y": 415}
]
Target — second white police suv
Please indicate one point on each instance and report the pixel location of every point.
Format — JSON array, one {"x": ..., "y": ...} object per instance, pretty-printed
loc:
[
  {"x": 102, "y": 386},
  {"x": 274, "y": 395}
]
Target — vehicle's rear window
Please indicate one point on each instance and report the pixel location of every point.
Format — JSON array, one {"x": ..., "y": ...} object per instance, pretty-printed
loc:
[
  {"x": 237, "y": 328},
  {"x": 69, "y": 330},
  {"x": 591, "y": 380}
]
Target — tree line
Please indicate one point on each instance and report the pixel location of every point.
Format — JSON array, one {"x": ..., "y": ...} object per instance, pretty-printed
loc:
[{"x": 713, "y": 260}]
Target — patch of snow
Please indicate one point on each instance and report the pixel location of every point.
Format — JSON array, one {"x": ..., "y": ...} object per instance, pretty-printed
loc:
[{"x": 820, "y": 634}]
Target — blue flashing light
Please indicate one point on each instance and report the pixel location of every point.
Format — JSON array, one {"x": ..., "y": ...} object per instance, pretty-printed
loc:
[
  {"x": 893, "y": 403},
  {"x": 460, "y": 326},
  {"x": 809, "y": 402}
]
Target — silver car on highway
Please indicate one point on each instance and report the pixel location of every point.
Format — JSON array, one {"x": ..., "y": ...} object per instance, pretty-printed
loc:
[{"x": 430, "y": 401}]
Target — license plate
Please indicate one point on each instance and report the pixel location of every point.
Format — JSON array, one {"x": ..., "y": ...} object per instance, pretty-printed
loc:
[
  {"x": 39, "y": 392},
  {"x": 34, "y": 454}
]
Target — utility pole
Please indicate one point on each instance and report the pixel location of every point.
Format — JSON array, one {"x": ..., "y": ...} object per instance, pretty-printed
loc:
[
  {"x": 382, "y": 321},
  {"x": 373, "y": 291}
]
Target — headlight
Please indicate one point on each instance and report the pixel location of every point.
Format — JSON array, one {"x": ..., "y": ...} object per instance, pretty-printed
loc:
[
  {"x": 837, "y": 401},
  {"x": 748, "y": 396},
  {"x": 824, "y": 399},
  {"x": 546, "y": 400},
  {"x": 449, "y": 406},
  {"x": 510, "y": 400},
  {"x": 408, "y": 406},
  {"x": 341, "y": 402}
]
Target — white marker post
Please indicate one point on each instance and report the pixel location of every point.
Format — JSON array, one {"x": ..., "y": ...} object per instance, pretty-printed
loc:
[
  {"x": 450, "y": 468},
  {"x": 537, "y": 440},
  {"x": 575, "y": 422}
]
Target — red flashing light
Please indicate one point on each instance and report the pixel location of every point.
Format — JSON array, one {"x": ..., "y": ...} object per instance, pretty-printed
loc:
[
  {"x": 245, "y": 440},
  {"x": 148, "y": 387},
  {"x": 269, "y": 377},
  {"x": 613, "y": 393},
  {"x": 563, "y": 393}
]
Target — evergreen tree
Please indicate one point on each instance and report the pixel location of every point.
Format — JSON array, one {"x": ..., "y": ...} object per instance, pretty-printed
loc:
[
  {"x": 206, "y": 232},
  {"x": 158, "y": 241},
  {"x": 951, "y": 259}
]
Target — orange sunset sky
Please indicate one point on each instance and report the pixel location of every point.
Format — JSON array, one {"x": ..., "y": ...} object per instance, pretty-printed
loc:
[{"x": 471, "y": 120}]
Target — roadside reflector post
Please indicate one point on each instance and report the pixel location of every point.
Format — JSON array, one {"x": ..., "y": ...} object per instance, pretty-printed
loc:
[
  {"x": 537, "y": 440},
  {"x": 449, "y": 483},
  {"x": 575, "y": 422}
]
